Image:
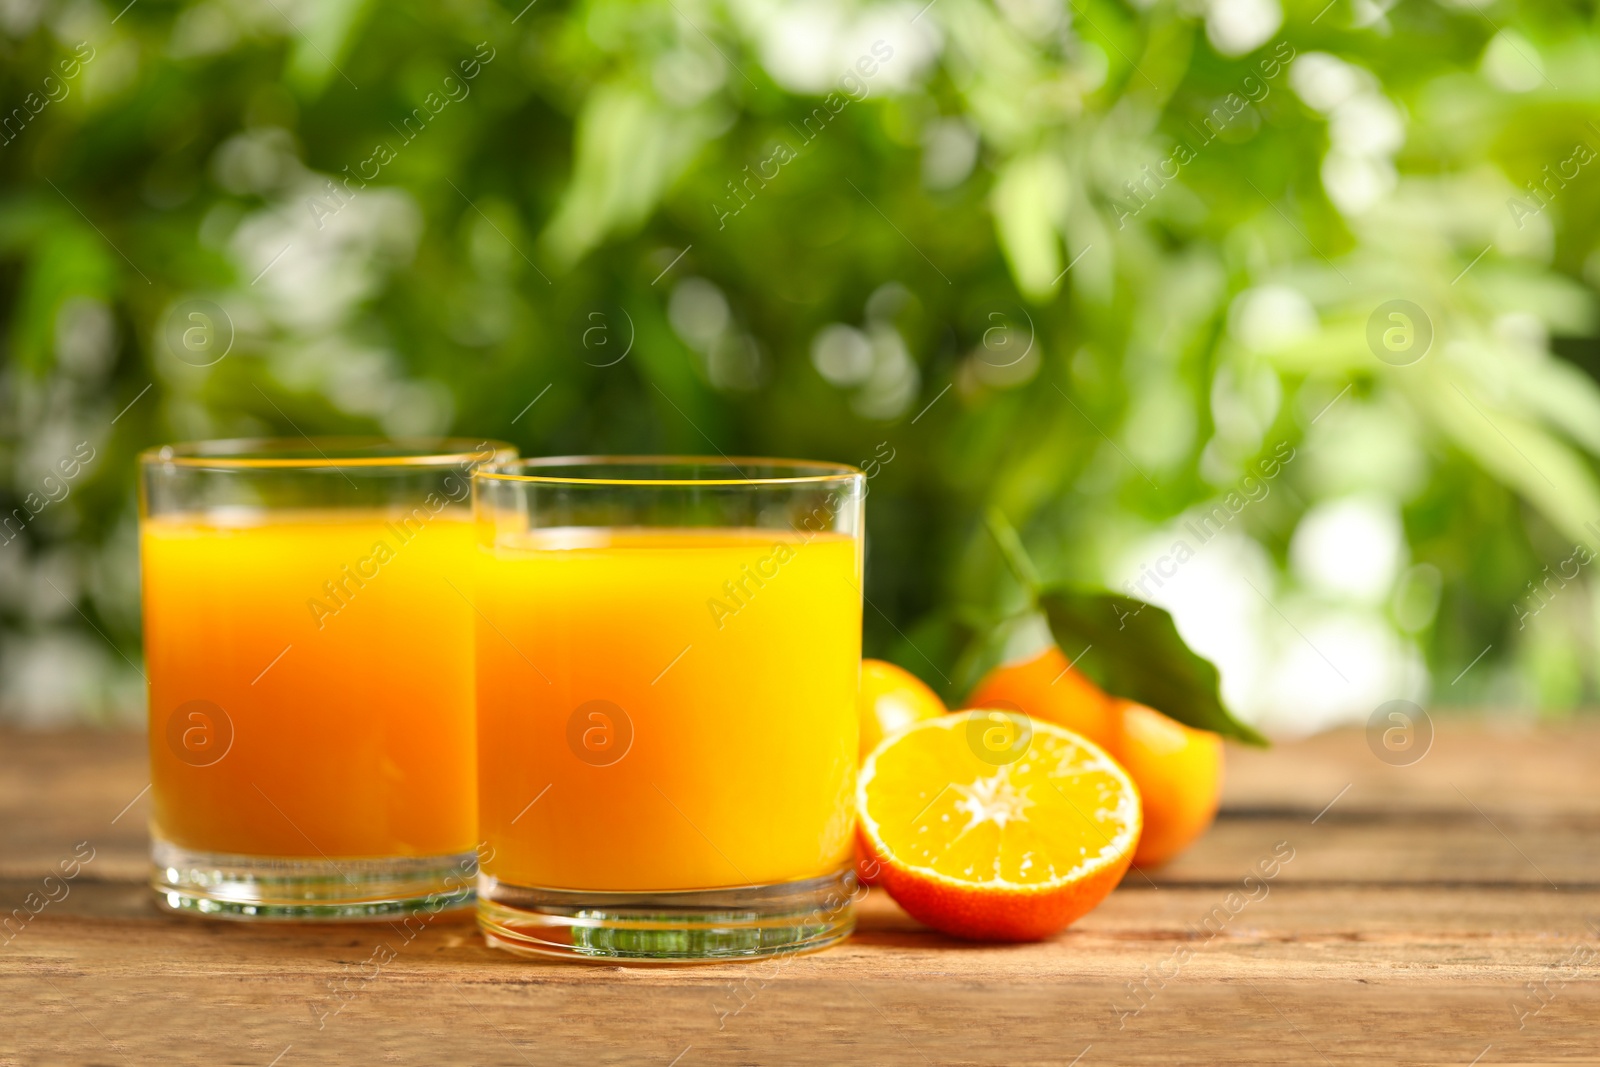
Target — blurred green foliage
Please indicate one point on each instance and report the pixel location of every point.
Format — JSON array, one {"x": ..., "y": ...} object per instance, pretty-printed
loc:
[{"x": 1089, "y": 263}]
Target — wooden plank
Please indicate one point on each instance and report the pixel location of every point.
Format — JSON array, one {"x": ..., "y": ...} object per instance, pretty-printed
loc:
[
  {"x": 1415, "y": 924},
  {"x": 106, "y": 953},
  {"x": 105, "y": 770},
  {"x": 1468, "y": 851},
  {"x": 1497, "y": 923},
  {"x": 59, "y": 789},
  {"x": 1453, "y": 849},
  {"x": 1511, "y": 823},
  {"x": 1502, "y": 766}
]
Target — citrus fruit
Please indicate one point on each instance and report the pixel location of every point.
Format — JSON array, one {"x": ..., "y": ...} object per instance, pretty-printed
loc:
[
  {"x": 991, "y": 827},
  {"x": 892, "y": 698},
  {"x": 1179, "y": 773},
  {"x": 1048, "y": 687},
  {"x": 1178, "y": 769}
]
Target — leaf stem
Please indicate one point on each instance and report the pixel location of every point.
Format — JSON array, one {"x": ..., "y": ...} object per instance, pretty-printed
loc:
[{"x": 1011, "y": 550}]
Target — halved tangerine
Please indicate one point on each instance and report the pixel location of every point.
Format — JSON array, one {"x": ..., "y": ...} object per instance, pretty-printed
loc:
[{"x": 990, "y": 826}]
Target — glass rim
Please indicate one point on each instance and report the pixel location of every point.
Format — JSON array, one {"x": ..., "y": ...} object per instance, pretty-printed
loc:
[
  {"x": 807, "y": 471},
  {"x": 326, "y": 453}
]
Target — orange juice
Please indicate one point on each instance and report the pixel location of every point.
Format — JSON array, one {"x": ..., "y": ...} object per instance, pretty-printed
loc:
[
  {"x": 667, "y": 709},
  {"x": 311, "y": 681}
]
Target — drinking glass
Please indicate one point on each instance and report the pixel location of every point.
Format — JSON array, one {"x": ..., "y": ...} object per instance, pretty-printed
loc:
[
  {"x": 308, "y": 634},
  {"x": 669, "y": 654}
]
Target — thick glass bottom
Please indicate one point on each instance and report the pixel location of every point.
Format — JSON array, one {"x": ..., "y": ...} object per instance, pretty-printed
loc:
[
  {"x": 741, "y": 923},
  {"x": 297, "y": 889}
]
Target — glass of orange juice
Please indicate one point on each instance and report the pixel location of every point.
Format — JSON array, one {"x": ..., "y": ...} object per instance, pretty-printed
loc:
[
  {"x": 668, "y": 654},
  {"x": 308, "y": 635}
]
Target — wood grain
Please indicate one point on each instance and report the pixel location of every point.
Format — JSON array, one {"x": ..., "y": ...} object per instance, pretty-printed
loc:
[{"x": 1431, "y": 914}]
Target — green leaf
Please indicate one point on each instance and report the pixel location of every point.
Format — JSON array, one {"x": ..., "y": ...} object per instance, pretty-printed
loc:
[
  {"x": 1012, "y": 551},
  {"x": 324, "y": 37},
  {"x": 1029, "y": 200},
  {"x": 630, "y": 148},
  {"x": 1132, "y": 650}
]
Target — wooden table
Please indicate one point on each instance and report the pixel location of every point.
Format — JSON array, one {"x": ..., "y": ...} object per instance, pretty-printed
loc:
[{"x": 1435, "y": 913}]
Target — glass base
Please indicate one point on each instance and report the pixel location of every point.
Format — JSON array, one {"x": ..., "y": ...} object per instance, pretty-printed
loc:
[
  {"x": 263, "y": 887},
  {"x": 741, "y": 923}
]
